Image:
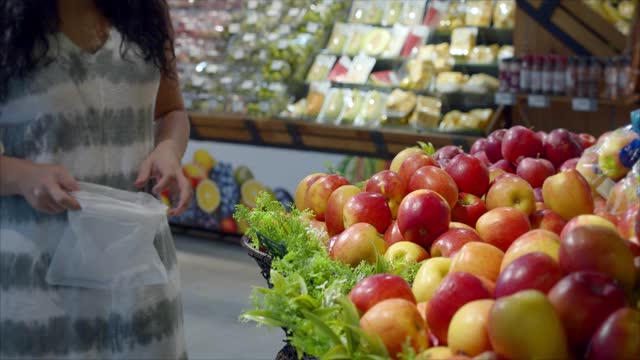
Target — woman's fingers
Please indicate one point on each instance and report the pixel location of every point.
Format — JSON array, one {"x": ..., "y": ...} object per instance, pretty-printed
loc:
[
  {"x": 184, "y": 188},
  {"x": 144, "y": 173},
  {"x": 63, "y": 198}
]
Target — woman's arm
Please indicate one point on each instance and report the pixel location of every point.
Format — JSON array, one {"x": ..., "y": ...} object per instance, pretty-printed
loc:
[{"x": 172, "y": 135}]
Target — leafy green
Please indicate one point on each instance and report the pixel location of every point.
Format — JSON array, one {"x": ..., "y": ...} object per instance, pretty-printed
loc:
[{"x": 308, "y": 296}]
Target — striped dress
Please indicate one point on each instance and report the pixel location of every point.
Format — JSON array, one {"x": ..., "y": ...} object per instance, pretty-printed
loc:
[{"x": 93, "y": 114}]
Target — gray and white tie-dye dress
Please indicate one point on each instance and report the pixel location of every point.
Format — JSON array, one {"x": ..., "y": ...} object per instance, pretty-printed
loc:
[{"x": 93, "y": 114}]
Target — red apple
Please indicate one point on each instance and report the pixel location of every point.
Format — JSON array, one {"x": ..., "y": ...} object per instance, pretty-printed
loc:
[
  {"x": 586, "y": 219},
  {"x": 470, "y": 174},
  {"x": 542, "y": 135},
  {"x": 414, "y": 162},
  {"x": 600, "y": 249},
  {"x": 547, "y": 220},
  {"x": 587, "y": 140},
  {"x": 436, "y": 179},
  {"x": 482, "y": 156},
  {"x": 457, "y": 289},
  {"x": 478, "y": 145},
  {"x": 504, "y": 165},
  {"x": 407, "y": 252},
  {"x": 502, "y": 226},
  {"x": 402, "y": 155},
  {"x": 334, "y": 214},
  {"x": 478, "y": 258},
  {"x": 450, "y": 242},
  {"x": 535, "y": 171},
  {"x": 520, "y": 142},
  {"x": 423, "y": 216},
  {"x": 468, "y": 209},
  {"x": 396, "y": 322},
  {"x": 493, "y": 147},
  {"x": 634, "y": 245},
  {"x": 367, "y": 207},
  {"x": 318, "y": 193},
  {"x": 229, "y": 225},
  {"x": 391, "y": 186},
  {"x": 375, "y": 288},
  {"x": 511, "y": 191},
  {"x": 393, "y": 235},
  {"x": 617, "y": 337},
  {"x": 357, "y": 243},
  {"x": 561, "y": 146},
  {"x": 628, "y": 221},
  {"x": 532, "y": 241},
  {"x": 536, "y": 270},
  {"x": 569, "y": 164},
  {"x": 583, "y": 300},
  {"x": 445, "y": 154},
  {"x": 331, "y": 242},
  {"x": 303, "y": 186},
  {"x": 568, "y": 194}
]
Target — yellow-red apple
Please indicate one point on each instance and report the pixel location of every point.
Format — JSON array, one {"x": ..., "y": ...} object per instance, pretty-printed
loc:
[
  {"x": 436, "y": 179},
  {"x": 333, "y": 215},
  {"x": 532, "y": 241},
  {"x": 390, "y": 185},
  {"x": 402, "y": 155},
  {"x": 379, "y": 287},
  {"x": 301, "y": 191},
  {"x": 546, "y": 219},
  {"x": 568, "y": 194},
  {"x": 429, "y": 277},
  {"x": 478, "y": 258},
  {"x": 359, "y": 242},
  {"x": 318, "y": 193},
  {"x": 502, "y": 226},
  {"x": 468, "y": 331},
  {"x": 367, "y": 207},
  {"x": 450, "y": 242},
  {"x": 406, "y": 251},
  {"x": 512, "y": 191},
  {"x": 468, "y": 209}
]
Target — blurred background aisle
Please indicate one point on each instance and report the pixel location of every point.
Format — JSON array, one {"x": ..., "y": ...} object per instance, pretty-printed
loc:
[{"x": 217, "y": 278}]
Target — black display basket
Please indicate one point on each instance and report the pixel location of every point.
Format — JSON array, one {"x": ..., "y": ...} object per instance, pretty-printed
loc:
[{"x": 263, "y": 259}]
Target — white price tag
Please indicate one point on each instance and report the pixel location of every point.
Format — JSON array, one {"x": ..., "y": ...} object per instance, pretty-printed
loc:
[
  {"x": 246, "y": 85},
  {"x": 538, "y": 101},
  {"x": 252, "y": 4},
  {"x": 313, "y": 27},
  {"x": 605, "y": 188},
  {"x": 250, "y": 37},
  {"x": 234, "y": 28},
  {"x": 277, "y": 87},
  {"x": 237, "y": 106},
  {"x": 277, "y": 65},
  {"x": 505, "y": 98},
  {"x": 252, "y": 18},
  {"x": 584, "y": 104}
]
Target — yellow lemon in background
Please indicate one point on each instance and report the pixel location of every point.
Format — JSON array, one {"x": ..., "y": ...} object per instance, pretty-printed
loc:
[{"x": 204, "y": 159}]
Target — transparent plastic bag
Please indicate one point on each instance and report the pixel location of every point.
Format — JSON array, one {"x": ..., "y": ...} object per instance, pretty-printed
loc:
[{"x": 109, "y": 244}]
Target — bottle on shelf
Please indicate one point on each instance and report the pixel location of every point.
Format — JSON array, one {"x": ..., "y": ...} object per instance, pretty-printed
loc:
[
  {"x": 547, "y": 74},
  {"x": 625, "y": 76},
  {"x": 536, "y": 75},
  {"x": 570, "y": 78},
  {"x": 504, "y": 70},
  {"x": 610, "y": 89},
  {"x": 514, "y": 75},
  {"x": 595, "y": 78},
  {"x": 559, "y": 75},
  {"x": 582, "y": 78},
  {"x": 525, "y": 74}
]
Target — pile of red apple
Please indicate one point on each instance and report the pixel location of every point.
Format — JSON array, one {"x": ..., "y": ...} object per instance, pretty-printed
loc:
[{"x": 521, "y": 258}]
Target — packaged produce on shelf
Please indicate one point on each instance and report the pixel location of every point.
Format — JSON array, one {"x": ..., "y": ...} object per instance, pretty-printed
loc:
[
  {"x": 353, "y": 103},
  {"x": 374, "y": 13},
  {"x": 478, "y": 13},
  {"x": 393, "y": 12},
  {"x": 624, "y": 198},
  {"x": 450, "y": 81},
  {"x": 376, "y": 41},
  {"x": 413, "y": 12},
  {"x": 504, "y": 14},
  {"x": 438, "y": 55},
  {"x": 355, "y": 41},
  {"x": 506, "y": 51},
  {"x": 481, "y": 84},
  {"x": 417, "y": 74},
  {"x": 358, "y": 11},
  {"x": 399, "y": 106},
  {"x": 338, "y": 38},
  {"x": 333, "y": 105},
  {"x": 416, "y": 38},
  {"x": 321, "y": 67},
  {"x": 315, "y": 98},
  {"x": 462, "y": 41},
  {"x": 360, "y": 69},
  {"x": 399, "y": 35},
  {"x": 483, "y": 54},
  {"x": 476, "y": 119},
  {"x": 383, "y": 78},
  {"x": 372, "y": 109},
  {"x": 454, "y": 13},
  {"x": 340, "y": 69},
  {"x": 427, "y": 113}
]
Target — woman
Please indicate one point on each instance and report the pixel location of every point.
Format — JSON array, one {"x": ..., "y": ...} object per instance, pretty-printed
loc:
[{"x": 81, "y": 83}]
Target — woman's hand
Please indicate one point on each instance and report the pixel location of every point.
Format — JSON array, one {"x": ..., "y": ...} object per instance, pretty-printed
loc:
[
  {"x": 164, "y": 164},
  {"x": 46, "y": 188}
]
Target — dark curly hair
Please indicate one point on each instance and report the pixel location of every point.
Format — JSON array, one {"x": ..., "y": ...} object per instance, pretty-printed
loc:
[{"x": 25, "y": 24}]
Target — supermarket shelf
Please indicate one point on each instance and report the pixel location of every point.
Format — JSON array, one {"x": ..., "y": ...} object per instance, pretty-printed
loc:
[
  {"x": 191, "y": 230},
  {"x": 303, "y": 135},
  {"x": 633, "y": 99},
  {"x": 486, "y": 36}
]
